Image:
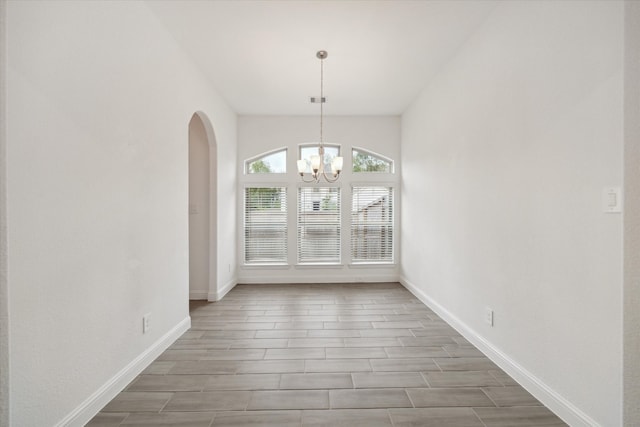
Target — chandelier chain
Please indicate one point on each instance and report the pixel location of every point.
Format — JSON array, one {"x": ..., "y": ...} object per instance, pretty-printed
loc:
[{"x": 317, "y": 162}]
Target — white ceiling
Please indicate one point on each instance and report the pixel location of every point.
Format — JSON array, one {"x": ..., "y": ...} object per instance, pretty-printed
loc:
[{"x": 261, "y": 55}]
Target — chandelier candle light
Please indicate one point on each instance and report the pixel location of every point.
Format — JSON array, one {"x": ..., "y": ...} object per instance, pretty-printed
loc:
[{"x": 317, "y": 161}]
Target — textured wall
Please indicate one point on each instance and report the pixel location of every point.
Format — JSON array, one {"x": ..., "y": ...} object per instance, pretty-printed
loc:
[
  {"x": 631, "y": 372},
  {"x": 4, "y": 287},
  {"x": 99, "y": 102},
  {"x": 505, "y": 156}
]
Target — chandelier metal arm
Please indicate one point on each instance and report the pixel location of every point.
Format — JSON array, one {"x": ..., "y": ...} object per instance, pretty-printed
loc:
[
  {"x": 313, "y": 179},
  {"x": 328, "y": 179}
]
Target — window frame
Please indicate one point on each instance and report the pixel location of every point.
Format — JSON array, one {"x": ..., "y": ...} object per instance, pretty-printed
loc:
[
  {"x": 253, "y": 159},
  {"x": 291, "y": 181}
]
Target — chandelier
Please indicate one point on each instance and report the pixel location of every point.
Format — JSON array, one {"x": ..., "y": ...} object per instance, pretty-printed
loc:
[{"x": 318, "y": 161}]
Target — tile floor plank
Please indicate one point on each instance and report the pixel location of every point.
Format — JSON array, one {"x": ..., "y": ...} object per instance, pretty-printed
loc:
[
  {"x": 208, "y": 401},
  {"x": 322, "y": 381},
  {"x": 465, "y": 364},
  {"x": 356, "y": 353},
  {"x": 511, "y": 396},
  {"x": 182, "y": 419},
  {"x": 138, "y": 401},
  {"x": 388, "y": 380},
  {"x": 284, "y": 399},
  {"x": 258, "y": 419},
  {"x": 532, "y": 416},
  {"x": 270, "y": 366},
  {"x": 243, "y": 382},
  {"x": 369, "y": 398},
  {"x": 461, "y": 379},
  {"x": 444, "y": 397},
  {"x": 316, "y": 342},
  {"x": 338, "y": 365},
  {"x": 406, "y": 365},
  {"x": 107, "y": 419},
  {"x": 259, "y": 343},
  {"x": 435, "y": 417},
  {"x": 168, "y": 383},
  {"x": 347, "y": 418},
  {"x": 295, "y": 353},
  {"x": 372, "y": 342},
  {"x": 411, "y": 352}
]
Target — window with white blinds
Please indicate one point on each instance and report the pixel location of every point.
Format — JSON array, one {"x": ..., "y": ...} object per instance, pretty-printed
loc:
[
  {"x": 318, "y": 225},
  {"x": 265, "y": 225},
  {"x": 372, "y": 224}
]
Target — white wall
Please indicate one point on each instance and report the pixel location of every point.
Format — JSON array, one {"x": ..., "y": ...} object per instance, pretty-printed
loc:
[
  {"x": 504, "y": 159},
  {"x": 226, "y": 184},
  {"x": 99, "y": 101},
  {"x": 4, "y": 288},
  {"x": 260, "y": 134},
  {"x": 199, "y": 216},
  {"x": 631, "y": 367}
]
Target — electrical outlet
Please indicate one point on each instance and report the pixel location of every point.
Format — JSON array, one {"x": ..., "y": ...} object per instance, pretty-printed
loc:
[
  {"x": 146, "y": 323},
  {"x": 488, "y": 316},
  {"x": 229, "y": 268}
]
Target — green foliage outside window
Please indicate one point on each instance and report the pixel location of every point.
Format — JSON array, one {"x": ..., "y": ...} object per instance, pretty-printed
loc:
[
  {"x": 363, "y": 162},
  {"x": 328, "y": 204},
  {"x": 260, "y": 166},
  {"x": 264, "y": 198}
]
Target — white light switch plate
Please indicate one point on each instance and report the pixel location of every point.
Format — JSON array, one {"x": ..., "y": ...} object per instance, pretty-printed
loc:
[{"x": 612, "y": 200}]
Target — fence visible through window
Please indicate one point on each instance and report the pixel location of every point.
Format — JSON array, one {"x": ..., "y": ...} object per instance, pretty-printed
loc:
[{"x": 372, "y": 224}]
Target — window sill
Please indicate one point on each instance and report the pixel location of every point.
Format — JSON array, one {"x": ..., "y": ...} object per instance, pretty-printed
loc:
[
  {"x": 269, "y": 266},
  {"x": 318, "y": 265},
  {"x": 373, "y": 265}
]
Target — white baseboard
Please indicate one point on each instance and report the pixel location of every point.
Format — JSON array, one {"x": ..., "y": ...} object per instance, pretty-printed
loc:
[
  {"x": 545, "y": 394},
  {"x": 198, "y": 295},
  {"x": 380, "y": 278},
  {"x": 94, "y": 403},
  {"x": 218, "y": 295}
]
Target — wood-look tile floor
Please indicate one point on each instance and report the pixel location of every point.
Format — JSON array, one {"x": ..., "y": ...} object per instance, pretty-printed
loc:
[{"x": 322, "y": 355}]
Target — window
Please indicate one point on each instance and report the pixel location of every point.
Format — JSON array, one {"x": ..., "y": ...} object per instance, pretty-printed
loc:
[
  {"x": 319, "y": 225},
  {"x": 372, "y": 224},
  {"x": 364, "y": 161},
  {"x": 324, "y": 236},
  {"x": 265, "y": 225},
  {"x": 274, "y": 162},
  {"x": 330, "y": 151}
]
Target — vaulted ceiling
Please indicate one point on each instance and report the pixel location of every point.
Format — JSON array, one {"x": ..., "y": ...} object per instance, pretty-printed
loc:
[{"x": 261, "y": 55}]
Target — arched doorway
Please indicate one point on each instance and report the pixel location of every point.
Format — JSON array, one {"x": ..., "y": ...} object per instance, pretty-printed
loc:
[{"x": 202, "y": 208}]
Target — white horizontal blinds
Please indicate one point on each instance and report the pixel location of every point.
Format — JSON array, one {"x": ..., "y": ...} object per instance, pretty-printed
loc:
[
  {"x": 318, "y": 225},
  {"x": 372, "y": 224},
  {"x": 265, "y": 225}
]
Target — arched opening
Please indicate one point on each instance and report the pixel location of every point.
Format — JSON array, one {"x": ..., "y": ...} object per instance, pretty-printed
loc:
[{"x": 202, "y": 208}]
